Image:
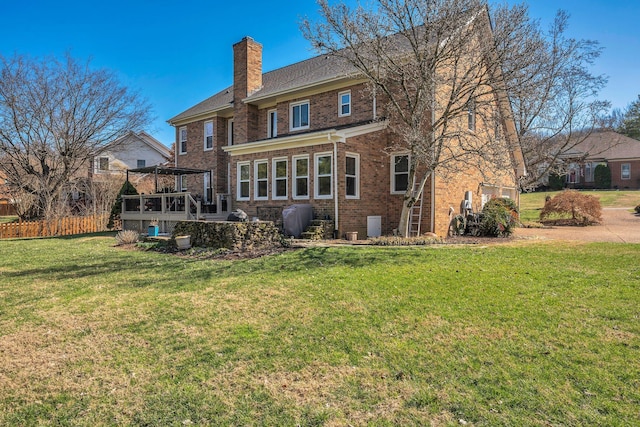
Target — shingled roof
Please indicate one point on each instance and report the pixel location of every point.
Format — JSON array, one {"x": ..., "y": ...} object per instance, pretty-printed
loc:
[
  {"x": 608, "y": 145},
  {"x": 311, "y": 72}
]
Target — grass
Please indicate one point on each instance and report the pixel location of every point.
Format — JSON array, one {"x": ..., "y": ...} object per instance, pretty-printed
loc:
[
  {"x": 6, "y": 219},
  {"x": 532, "y": 203},
  {"x": 529, "y": 334}
]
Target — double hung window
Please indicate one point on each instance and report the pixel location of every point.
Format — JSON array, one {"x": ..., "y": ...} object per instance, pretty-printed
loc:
[
  {"x": 625, "y": 171},
  {"x": 272, "y": 123},
  {"x": 352, "y": 176},
  {"x": 261, "y": 185},
  {"x": 280, "y": 179},
  {"x": 323, "y": 176},
  {"x": 344, "y": 104},
  {"x": 182, "y": 138},
  {"x": 399, "y": 173},
  {"x": 299, "y": 115},
  {"x": 244, "y": 177},
  {"x": 300, "y": 177},
  {"x": 208, "y": 135}
]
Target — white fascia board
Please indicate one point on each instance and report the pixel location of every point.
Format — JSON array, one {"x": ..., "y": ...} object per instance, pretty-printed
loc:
[
  {"x": 362, "y": 130},
  {"x": 293, "y": 141},
  {"x": 210, "y": 114},
  {"x": 303, "y": 140},
  {"x": 352, "y": 80}
]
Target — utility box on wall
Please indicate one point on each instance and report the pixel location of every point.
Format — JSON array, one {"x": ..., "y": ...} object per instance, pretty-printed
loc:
[{"x": 374, "y": 226}]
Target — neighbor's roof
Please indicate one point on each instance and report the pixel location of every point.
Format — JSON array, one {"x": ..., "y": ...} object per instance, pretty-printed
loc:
[
  {"x": 311, "y": 72},
  {"x": 608, "y": 145}
]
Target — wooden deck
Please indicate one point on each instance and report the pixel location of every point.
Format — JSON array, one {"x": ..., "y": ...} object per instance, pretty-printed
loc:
[{"x": 168, "y": 209}]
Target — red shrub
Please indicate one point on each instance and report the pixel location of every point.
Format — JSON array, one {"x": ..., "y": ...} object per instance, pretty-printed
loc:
[{"x": 572, "y": 208}]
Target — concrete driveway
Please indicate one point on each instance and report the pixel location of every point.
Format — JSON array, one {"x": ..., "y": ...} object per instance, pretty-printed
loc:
[{"x": 620, "y": 225}]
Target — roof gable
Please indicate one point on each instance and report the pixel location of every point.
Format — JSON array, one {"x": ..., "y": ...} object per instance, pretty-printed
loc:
[{"x": 304, "y": 74}]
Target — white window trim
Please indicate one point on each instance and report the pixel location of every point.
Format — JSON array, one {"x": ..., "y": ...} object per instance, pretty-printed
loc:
[
  {"x": 204, "y": 144},
  {"x": 256, "y": 180},
  {"x": 340, "y": 104},
  {"x": 295, "y": 177},
  {"x": 183, "y": 183},
  {"x": 316, "y": 176},
  {"x": 622, "y": 177},
  {"x": 180, "y": 140},
  {"x": 99, "y": 168},
  {"x": 239, "y": 181},
  {"x": 297, "y": 104},
  {"x": 393, "y": 170},
  {"x": 275, "y": 179},
  {"x": 357, "y": 176},
  {"x": 273, "y": 126},
  {"x": 230, "y": 132}
]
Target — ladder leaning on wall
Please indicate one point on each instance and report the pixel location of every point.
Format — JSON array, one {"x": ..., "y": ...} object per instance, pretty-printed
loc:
[{"x": 415, "y": 215}]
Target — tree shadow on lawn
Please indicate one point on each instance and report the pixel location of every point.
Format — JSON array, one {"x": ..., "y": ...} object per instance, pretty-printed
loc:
[
  {"x": 323, "y": 257},
  {"x": 136, "y": 273}
]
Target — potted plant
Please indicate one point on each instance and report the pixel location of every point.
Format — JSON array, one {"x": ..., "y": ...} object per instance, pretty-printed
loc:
[
  {"x": 183, "y": 242},
  {"x": 153, "y": 227}
]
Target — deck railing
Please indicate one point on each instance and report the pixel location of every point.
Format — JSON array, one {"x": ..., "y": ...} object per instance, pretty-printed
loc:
[{"x": 169, "y": 208}]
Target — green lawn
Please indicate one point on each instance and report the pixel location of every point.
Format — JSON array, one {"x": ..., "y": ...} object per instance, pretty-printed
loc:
[
  {"x": 529, "y": 334},
  {"x": 532, "y": 203},
  {"x": 5, "y": 219}
]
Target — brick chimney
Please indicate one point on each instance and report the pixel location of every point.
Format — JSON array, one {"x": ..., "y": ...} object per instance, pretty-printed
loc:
[{"x": 247, "y": 79}]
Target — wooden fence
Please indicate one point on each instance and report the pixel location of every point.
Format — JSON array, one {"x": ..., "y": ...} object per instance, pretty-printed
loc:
[{"x": 59, "y": 227}]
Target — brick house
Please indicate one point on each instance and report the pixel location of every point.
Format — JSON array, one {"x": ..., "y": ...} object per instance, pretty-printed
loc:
[
  {"x": 619, "y": 152},
  {"x": 309, "y": 134}
]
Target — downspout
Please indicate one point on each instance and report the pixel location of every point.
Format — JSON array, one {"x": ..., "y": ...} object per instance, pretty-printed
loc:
[
  {"x": 433, "y": 202},
  {"x": 335, "y": 184},
  {"x": 433, "y": 172}
]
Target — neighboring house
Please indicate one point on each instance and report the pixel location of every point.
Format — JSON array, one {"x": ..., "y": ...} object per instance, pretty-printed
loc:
[
  {"x": 6, "y": 201},
  {"x": 619, "y": 152},
  {"x": 308, "y": 134},
  {"x": 133, "y": 150}
]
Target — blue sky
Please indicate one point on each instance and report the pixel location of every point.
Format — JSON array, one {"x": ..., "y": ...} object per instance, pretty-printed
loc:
[{"x": 179, "y": 53}]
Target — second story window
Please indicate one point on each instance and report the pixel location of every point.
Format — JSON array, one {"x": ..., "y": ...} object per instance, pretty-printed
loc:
[
  {"x": 103, "y": 164},
  {"x": 182, "y": 140},
  {"x": 471, "y": 115},
  {"x": 272, "y": 123},
  {"x": 299, "y": 116},
  {"x": 230, "y": 132},
  {"x": 141, "y": 163},
  {"x": 208, "y": 135},
  {"x": 344, "y": 104}
]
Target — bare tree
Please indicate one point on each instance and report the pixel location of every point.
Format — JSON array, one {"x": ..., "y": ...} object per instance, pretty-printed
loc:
[
  {"x": 554, "y": 98},
  {"x": 55, "y": 115},
  {"x": 436, "y": 68},
  {"x": 437, "y": 62},
  {"x": 630, "y": 121}
]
